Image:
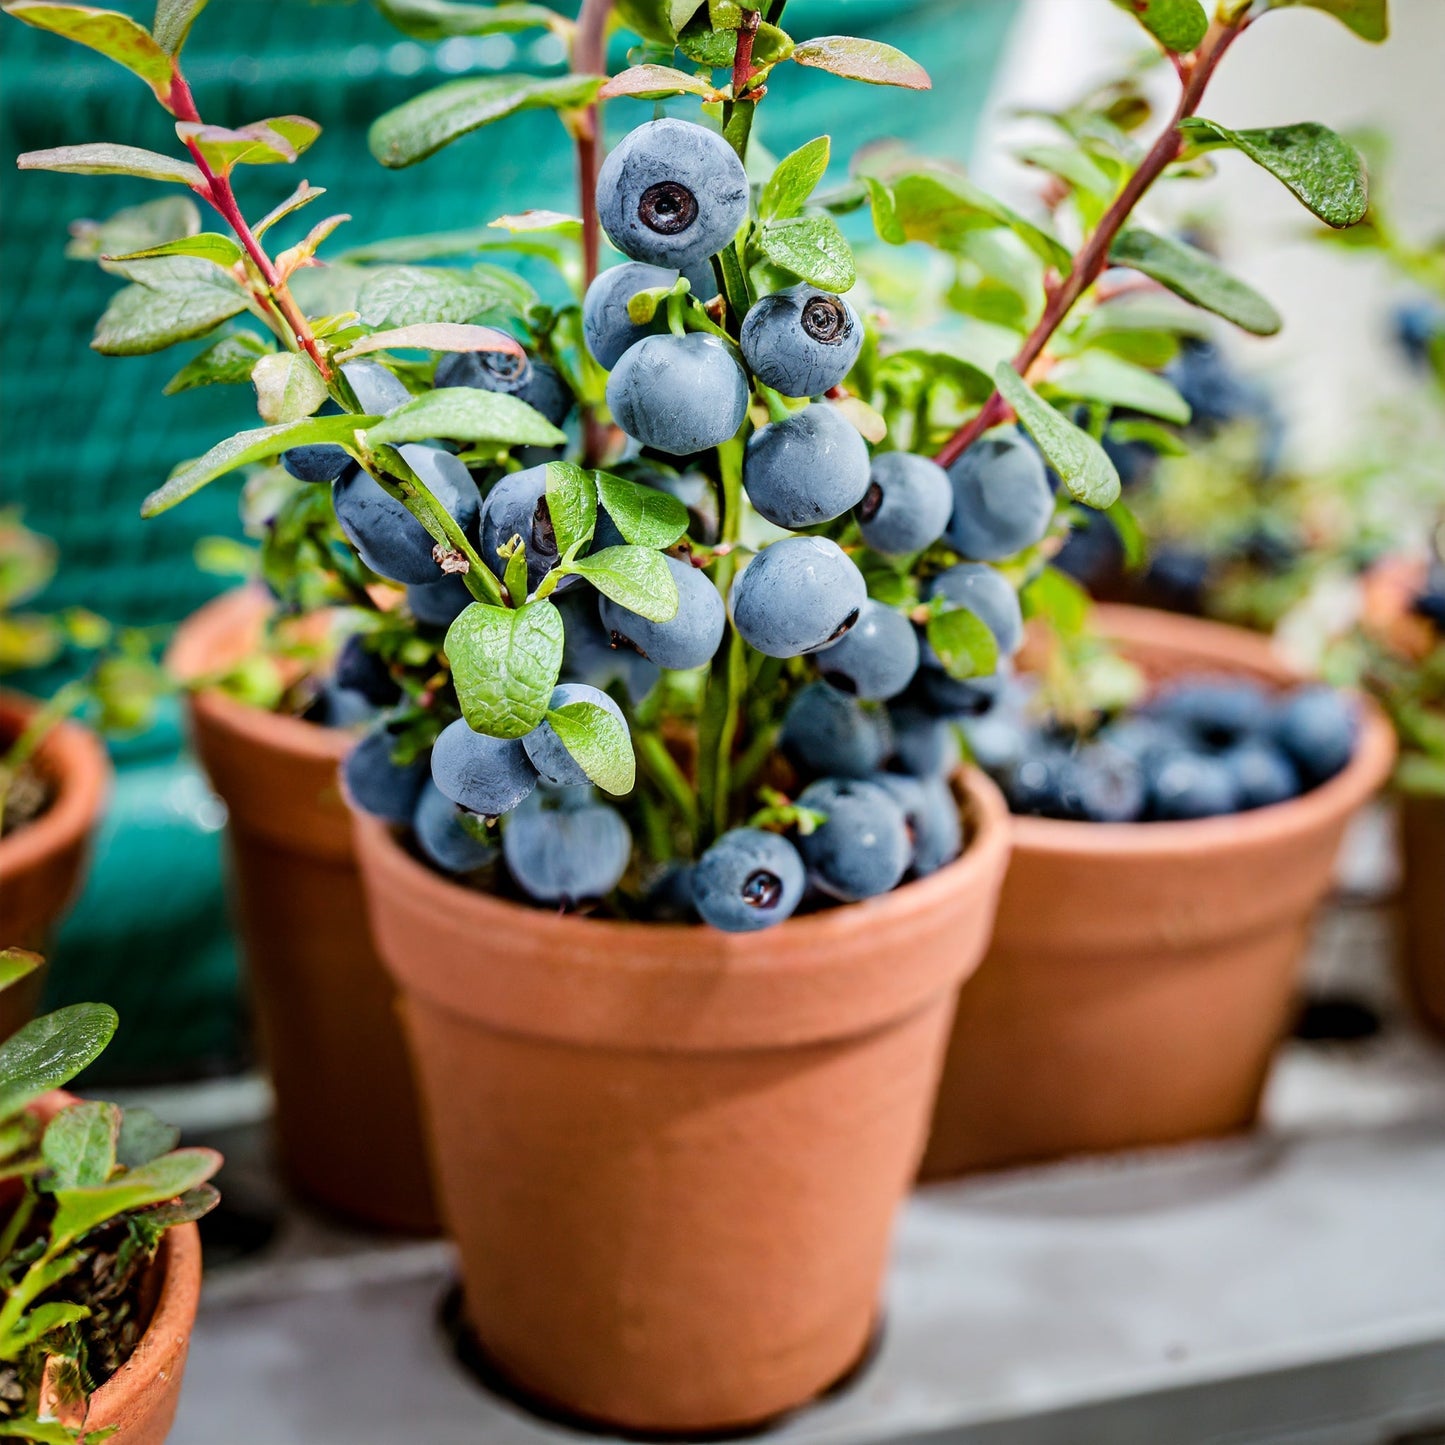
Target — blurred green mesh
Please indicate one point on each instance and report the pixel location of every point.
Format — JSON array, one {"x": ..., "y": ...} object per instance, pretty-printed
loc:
[{"x": 86, "y": 436}]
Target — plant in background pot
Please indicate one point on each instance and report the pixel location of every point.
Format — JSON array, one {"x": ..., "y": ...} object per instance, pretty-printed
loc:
[
  {"x": 99, "y": 1252},
  {"x": 658, "y": 1142}
]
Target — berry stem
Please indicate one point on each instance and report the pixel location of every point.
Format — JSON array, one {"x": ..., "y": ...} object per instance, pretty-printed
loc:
[{"x": 1093, "y": 257}]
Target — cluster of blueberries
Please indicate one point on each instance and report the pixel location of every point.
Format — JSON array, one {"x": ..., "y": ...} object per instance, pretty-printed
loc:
[
  {"x": 1200, "y": 747},
  {"x": 871, "y": 740}
]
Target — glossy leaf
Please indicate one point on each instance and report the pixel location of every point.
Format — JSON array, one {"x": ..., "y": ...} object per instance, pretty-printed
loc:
[
  {"x": 412, "y": 295},
  {"x": 571, "y": 504},
  {"x": 143, "y": 1137},
  {"x": 599, "y": 743},
  {"x": 794, "y": 180},
  {"x": 1080, "y": 461},
  {"x": 288, "y": 387},
  {"x": 465, "y": 414},
  {"x": 17, "y": 963},
  {"x": 423, "y": 125},
  {"x": 1097, "y": 376},
  {"x": 653, "y": 82},
  {"x": 258, "y": 445},
  {"x": 1178, "y": 25},
  {"x": 175, "y": 298},
  {"x": 208, "y": 246},
  {"x": 1369, "y": 19},
  {"x": 173, "y": 22},
  {"x": 277, "y": 141},
  {"x": 811, "y": 247},
  {"x": 1321, "y": 169},
  {"x": 1194, "y": 275},
  {"x": 116, "y": 36},
  {"x": 963, "y": 643},
  {"x": 79, "y": 1145},
  {"x": 645, "y": 516},
  {"x": 634, "y": 577},
  {"x": 505, "y": 663},
  {"x": 303, "y": 195},
  {"x": 78, "y": 1211},
  {"x": 134, "y": 228},
  {"x": 101, "y": 158},
  {"x": 436, "y": 336},
  {"x": 858, "y": 59},
  {"x": 230, "y": 360},
  {"x": 50, "y": 1051},
  {"x": 442, "y": 19}
]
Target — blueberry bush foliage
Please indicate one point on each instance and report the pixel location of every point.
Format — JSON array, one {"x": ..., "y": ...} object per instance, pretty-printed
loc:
[
  {"x": 85, "y": 1199},
  {"x": 698, "y": 529}
]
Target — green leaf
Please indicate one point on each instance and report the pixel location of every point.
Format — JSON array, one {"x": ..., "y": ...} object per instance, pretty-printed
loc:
[
  {"x": 288, "y": 387},
  {"x": 599, "y": 743},
  {"x": 303, "y": 195},
  {"x": 173, "y": 22},
  {"x": 1097, "y": 376},
  {"x": 434, "y": 336},
  {"x": 209, "y": 246},
  {"x": 116, "y": 36},
  {"x": 257, "y": 445},
  {"x": 101, "y": 158},
  {"x": 1178, "y": 25},
  {"x": 811, "y": 247},
  {"x": 185, "y": 1208},
  {"x": 651, "y": 19},
  {"x": 442, "y": 19},
  {"x": 462, "y": 413},
  {"x": 50, "y": 1051},
  {"x": 1131, "y": 535},
  {"x": 415, "y": 295},
  {"x": 644, "y": 515},
  {"x": 1071, "y": 164},
  {"x": 964, "y": 644},
  {"x": 278, "y": 141},
  {"x": 39, "y": 1432},
  {"x": 1321, "y": 169},
  {"x": 143, "y": 1137},
  {"x": 231, "y": 359},
  {"x": 1080, "y": 461},
  {"x": 505, "y": 663},
  {"x": 794, "y": 180},
  {"x": 176, "y": 298},
  {"x": 134, "y": 228},
  {"x": 1155, "y": 437},
  {"x": 636, "y": 578},
  {"x": 857, "y": 59},
  {"x": 514, "y": 577},
  {"x": 79, "y": 1145},
  {"x": 1056, "y": 597},
  {"x": 78, "y": 1211},
  {"x": 17, "y": 963},
  {"x": 423, "y": 125},
  {"x": 653, "y": 82},
  {"x": 33, "y": 1327},
  {"x": 1192, "y": 274},
  {"x": 571, "y": 504},
  {"x": 1369, "y": 19},
  {"x": 884, "y": 210}
]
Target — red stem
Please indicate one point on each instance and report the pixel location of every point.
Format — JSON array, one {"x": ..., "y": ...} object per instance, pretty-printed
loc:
[
  {"x": 589, "y": 57},
  {"x": 1093, "y": 256},
  {"x": 743, "y": 51}
]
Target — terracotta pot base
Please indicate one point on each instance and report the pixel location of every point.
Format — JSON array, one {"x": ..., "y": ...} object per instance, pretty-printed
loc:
[{"x": 1141, "y": 975}]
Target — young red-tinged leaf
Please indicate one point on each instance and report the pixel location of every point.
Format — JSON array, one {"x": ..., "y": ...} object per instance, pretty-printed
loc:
[
  {"x": 794, "y": 180},
  {"x": 278, "y": 141},
  {"x": 436, "y": 336},
  {"x": 50, "y": 1051},
  {"x": 230, "y": 360},
  {"x": 78, "y": 1211},
  {"x": 208, "y": 246},
  {"x": 1082, "y": 464},
  {"x": 116, "y": 36},
  {"x": 101, "y": 158},
  {"x": 288, "y": 387},
  {"x": 652, "y": 82},
  {"x": 599, "y": 743},
  {"x": 258, "y": 445},
  {"x": 1369, "y": 19},
  {"x": 1197, "y": 277},
  {"x": 173, "y": 22},
  {"x": 858, "y": 59},
  {"x": 302, "y": 252},
  {"x": 505, "y": 663},
  {"x": 868, "y": 423},
  {"x": 303, "y": 195},
  {"x": 1178, "y": 25}
]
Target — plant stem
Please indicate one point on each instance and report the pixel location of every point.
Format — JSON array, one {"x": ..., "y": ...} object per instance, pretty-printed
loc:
[
  {"x": 1093, "y": 257},
  {"x": 738, "y": 113},
  {"x": 589, "y": 57},
  {"x": 662, "y": 768}
]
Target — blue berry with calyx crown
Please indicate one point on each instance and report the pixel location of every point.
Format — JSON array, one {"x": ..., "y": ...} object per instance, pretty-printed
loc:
[
  {"x": 378, "y": 392},
  {"x": 808, "y": 468},
  {"x": 930, "y": 810},
  {"x": 563, "y": 846},
  {"x": 988, "y": 595},
  {"x": 678, "y": 394},
  {"x": 438, "y": 604},
  {"x": 483, "y": 774},
  {"x": 386, "y": 536},
  {"x": 1318, "y": 727},
  {"x": 443, "y": 837},
  {"x": 377, "y": 783},
  {"x": 862, "y": 849},
  {"x": 534, "y": 382},
  {"x": 749, "y": 879},
  {"x": 693, "y": 635},
  {"x": 1002, "y": 501},
  {"x": 516, "y": 506},
  {"x": 554, "y": 764},
  {"x": 801, "y": 341},
  {"x": 876, "y": 658},
  {"x": 606, "y": 327},
  {"x": 797, "y": 596},
  {"x": 671, "y": 193},
  {"x": 907, "y": 504},
  {"x": 825, "y": 733}
]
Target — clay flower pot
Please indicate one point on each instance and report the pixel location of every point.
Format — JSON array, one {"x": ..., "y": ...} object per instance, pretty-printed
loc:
[
  {"x": 671, "y": 1157},
  {"x": 41, "y": 863},
  {"x": 1422, "y": 907},
  {"x": 1141, "y": 974},
  {"x": 347, "y": 1126}
]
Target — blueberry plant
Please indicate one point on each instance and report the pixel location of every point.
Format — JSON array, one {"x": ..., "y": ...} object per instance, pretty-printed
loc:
[
  {"x": 85, "y": 1198},
  {"x": 782, "y": 548}
]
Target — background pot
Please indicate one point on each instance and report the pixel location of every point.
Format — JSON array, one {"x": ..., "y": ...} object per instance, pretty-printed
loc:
[
  {"x": 41, "y": 863},
  {"x": 347, "y": 1126},
  {"x": 1422, "y": 906},
  {"x": 1141, "y": 974},
  {"x": 671, "y": 1157}
]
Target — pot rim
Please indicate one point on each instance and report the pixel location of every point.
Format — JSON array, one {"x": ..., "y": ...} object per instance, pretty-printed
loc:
[
  {"x": 76, "y": 761},
  {"x": 1234, "y": 649}
]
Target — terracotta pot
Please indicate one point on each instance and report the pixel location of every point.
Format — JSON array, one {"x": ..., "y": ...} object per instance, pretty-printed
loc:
[
  {"x": 1422, "y": 907},
  {"x": 1141, "y": 974},
  {"x": 671, "y": 1157},
  {"x": 41, "y": 864},
  {"x": 347, "y": 1125}
]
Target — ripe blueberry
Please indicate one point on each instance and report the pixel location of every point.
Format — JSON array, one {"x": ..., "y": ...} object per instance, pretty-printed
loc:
[
  {"x": 876, "y": 658},
  {"x": 987, "y": 594},
  {"x": 797, "y": 596},
  {"x": 1002, "y": 501},
  {"x": 825, "y": 733},
  {"x": 749, "y": 879},
  {"x": 483, "y": 774},
  {"x": 442, "y": 837},
  {"x": 377, "y": 783},
  {"x": 533, "y": 382},
  {"x": 562, "y": 847},
  {"x": 438, "y": 604},
  {"x": 907, "y": 504},
  {"x": 678, "y": 394},
  {"x": 606, "y": 326},
  {"x": 802, "y": 341},
  {"x": 930, "y": 810},
  {"x": 517, "y": 507},
  {"x": 1317, "y": 727},
  {"x": 923, "y": 745},
  {"x": 690, "y": 639},
  {"x": 806, "y": 469},
  {"x": 554, "y": 764},
  {"x": 863, "y": 848}
]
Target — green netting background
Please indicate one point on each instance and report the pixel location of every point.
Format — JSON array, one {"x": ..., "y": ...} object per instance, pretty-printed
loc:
[{"x": 86, "y": 436}]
